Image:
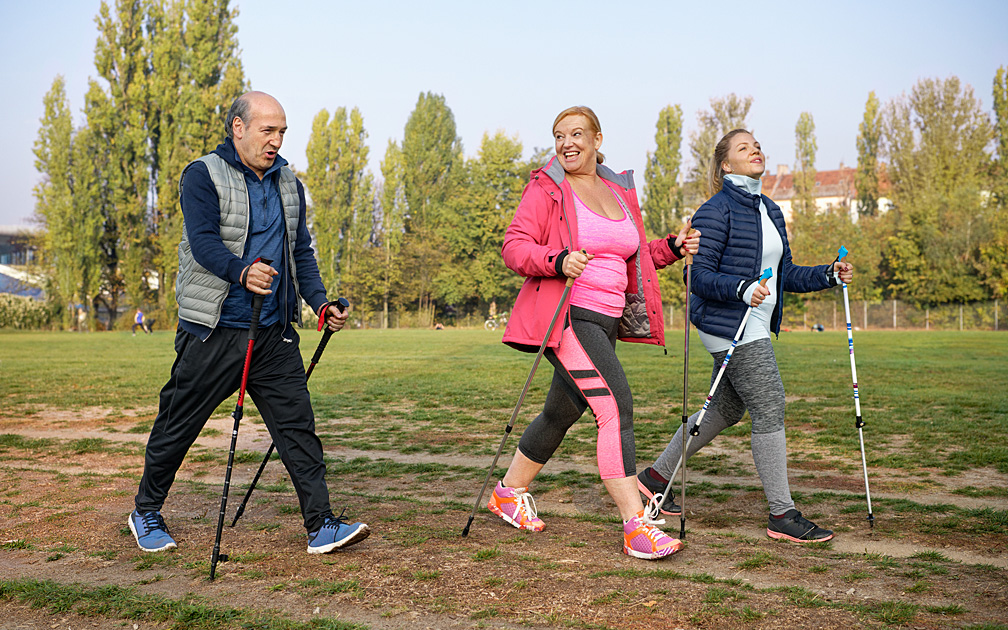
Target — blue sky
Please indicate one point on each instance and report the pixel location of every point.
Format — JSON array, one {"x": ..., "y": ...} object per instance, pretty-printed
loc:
[{"x": 513, "y": 66}]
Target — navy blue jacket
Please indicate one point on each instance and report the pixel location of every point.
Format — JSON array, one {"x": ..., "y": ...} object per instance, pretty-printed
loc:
[
  {"x": 731, "y": 250},
  {"x": 201, "y": 208}
]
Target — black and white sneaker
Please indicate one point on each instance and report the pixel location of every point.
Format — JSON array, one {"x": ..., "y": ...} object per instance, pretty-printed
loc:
[
  {"x": 796, "y": 528},
  {"x": 649, "y": 486}
]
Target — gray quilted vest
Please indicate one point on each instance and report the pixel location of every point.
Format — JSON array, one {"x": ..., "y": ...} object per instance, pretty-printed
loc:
[{"x": 199, "y": 293}]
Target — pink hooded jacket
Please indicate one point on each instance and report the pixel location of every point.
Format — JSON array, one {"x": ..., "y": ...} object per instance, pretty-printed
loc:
[{"x": 544, "y": 225}]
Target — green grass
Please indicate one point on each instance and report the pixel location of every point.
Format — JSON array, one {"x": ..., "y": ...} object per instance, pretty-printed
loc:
[
  {"x": 115, "y": 602},
  {"x": 419, "y": 391}
]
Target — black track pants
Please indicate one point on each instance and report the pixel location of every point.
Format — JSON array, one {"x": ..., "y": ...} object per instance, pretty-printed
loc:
[{"x": 204, "y": 375}]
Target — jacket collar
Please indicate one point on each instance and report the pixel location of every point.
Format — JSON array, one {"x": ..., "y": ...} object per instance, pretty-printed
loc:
[
  {"x": 739, "y": 194},
  {"x": 556, "y": 173},
  {"x": 227, "y": 151}
]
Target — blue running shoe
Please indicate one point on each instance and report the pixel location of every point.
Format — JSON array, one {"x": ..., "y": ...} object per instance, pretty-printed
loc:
[
  {"x": 150, "y": 531},
  {"x": 336, "y": 533}
]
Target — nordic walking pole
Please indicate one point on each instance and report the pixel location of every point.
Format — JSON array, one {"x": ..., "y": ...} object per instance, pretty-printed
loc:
[
  {"x": 859, "y": 423},
  {"x": 521, "y": 399},
  {"x": 688, "y": 261},
  {"x": 342, "y": 305},
  {"x": 656, "y": 500},
  {"x": 257, "y": 302}
]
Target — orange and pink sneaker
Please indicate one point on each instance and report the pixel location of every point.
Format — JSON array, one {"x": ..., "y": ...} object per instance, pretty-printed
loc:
[
  {"x": 516, "y": 506},
  {"x": 641, "y": 539}
]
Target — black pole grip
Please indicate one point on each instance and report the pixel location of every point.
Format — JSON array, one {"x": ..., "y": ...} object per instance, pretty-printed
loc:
[
  {"x": 341, "y": 305},
  {"x": 257, "y": 303}
]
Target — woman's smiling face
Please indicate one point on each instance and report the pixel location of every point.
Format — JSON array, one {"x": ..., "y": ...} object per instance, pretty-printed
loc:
[{"x": 576, "y": 145}]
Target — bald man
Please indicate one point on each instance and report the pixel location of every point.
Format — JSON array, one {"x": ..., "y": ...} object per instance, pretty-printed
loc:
[{"x": 240, "y": 204}]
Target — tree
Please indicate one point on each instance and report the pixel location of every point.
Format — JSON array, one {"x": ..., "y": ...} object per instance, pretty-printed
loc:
[
  {"x": 866, "y": 180},
  {"x": 479, "y": 212},
  {"x": 936, "y": 140},
  {"x": 121, "y": 59},
  {"x": 170, "y": 150},
  {"x": 392, "y": 225},
  {"x": 662, "y": 192},
  {"x": 992, "y": 263},
  {"x": 431, "y": 156},
  {"x": 99, "y": 197},
  {"x": 196, "y": 73},
  {"x": 726, "y": 113},
  {"x": 341, "y": 190},
  {"x": 68, "y": 238},
  {"x": 804, "y": 171},
  {"x": 431, "y": 150}
]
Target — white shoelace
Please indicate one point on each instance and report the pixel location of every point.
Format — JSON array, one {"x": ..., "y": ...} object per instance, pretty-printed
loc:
[
  {"x": 526, "y": 504},
  {"x": 653, "y": 508}
]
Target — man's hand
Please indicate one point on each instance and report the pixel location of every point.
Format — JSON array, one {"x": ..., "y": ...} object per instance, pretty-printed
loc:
[
  {"x": 845, "y": 270},
  {"x": 258, "y": 277},
  {"x": 334, "y": 319}
]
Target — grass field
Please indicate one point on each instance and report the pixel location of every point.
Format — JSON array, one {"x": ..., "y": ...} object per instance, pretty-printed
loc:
[{"x": 411, "y": 419}]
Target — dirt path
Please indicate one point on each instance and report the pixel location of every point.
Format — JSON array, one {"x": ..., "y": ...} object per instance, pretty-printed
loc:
[{"x": 62, "y": 516}]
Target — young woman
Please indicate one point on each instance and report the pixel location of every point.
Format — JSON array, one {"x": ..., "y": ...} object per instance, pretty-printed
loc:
[
  {"x": 573, "y": 205},
  {"x": 744, "y": 234}
]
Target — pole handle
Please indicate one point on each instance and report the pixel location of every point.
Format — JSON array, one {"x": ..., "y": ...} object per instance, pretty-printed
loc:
[
  {"x": 767, "y": 274},
  {"x": 257, "y": 303},
  {"x": 688, "y": 259},
  {"x": 341, "y": 305}
]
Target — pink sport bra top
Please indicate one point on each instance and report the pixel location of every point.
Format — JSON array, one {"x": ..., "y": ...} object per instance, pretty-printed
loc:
[{"x": 602, "y": 285}]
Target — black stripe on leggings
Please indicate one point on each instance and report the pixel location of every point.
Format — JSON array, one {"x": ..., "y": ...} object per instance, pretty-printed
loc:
[
  {"x": 583, "y": 373},
  {"x": 594, "y": 393}
]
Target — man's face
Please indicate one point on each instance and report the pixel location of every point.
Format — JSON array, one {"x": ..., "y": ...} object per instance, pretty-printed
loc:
[{"x": 258, "y": 139}]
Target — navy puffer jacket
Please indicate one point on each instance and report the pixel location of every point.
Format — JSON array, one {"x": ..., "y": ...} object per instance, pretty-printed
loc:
[{"x": 731, "y": 250}]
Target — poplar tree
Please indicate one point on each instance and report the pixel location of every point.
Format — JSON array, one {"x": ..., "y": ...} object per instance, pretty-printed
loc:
[
  {"x": 478, "y": 215},
  {"x": 992, "y": 263},
  {"x": 100, "y": 197},
  {"x": 341, "y": 190},
  {"x": 804, "y": 170},
  {"x": 431, "y": 156},
  {"x": 662, "y": 192},
  {"x": 936, "y": 140},
  {"x": 54, "y": 206},
  {"x": 391, "y": 227},
  {"x": 726, "y": 113},
  {"x": 196, "y": 73},
  {"x": 170, "y": 149},
  {"x": 121, "y": 60},
  {"x": 866, "y": 180}
]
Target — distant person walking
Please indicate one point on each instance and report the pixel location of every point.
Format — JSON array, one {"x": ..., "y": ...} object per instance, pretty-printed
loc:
[
  {"x": 744, "y": 233},
  {"x": 261, "y": 216},
  {"x": 140, "y": 320},
  {"x": 576, "y": 203}
]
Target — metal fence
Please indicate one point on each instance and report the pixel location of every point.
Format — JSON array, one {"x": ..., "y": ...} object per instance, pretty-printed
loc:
[{"x": 887, "y": 314}]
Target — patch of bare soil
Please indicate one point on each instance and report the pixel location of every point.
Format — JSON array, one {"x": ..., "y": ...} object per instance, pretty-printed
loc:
[{"x": 63, "y": 518}]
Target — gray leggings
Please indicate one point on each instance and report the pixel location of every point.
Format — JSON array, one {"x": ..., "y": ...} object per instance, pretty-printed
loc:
[{"x": 751, "y": 381}]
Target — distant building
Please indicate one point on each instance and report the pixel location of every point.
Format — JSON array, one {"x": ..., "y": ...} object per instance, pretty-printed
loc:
[
  {"x": 832, "y": 188},
  {"x": 15, "y": 245}
]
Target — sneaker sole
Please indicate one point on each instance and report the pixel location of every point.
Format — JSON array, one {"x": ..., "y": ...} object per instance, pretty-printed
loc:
[
  {"x": 507, "y": 519},
  {"x": 650, "y": 495},
  {"x": 171, "y": 545},
  {"x": 358, "y": 535},
  {"x": 643, "y": 555},
  {"x": 783, "y": 536}
]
